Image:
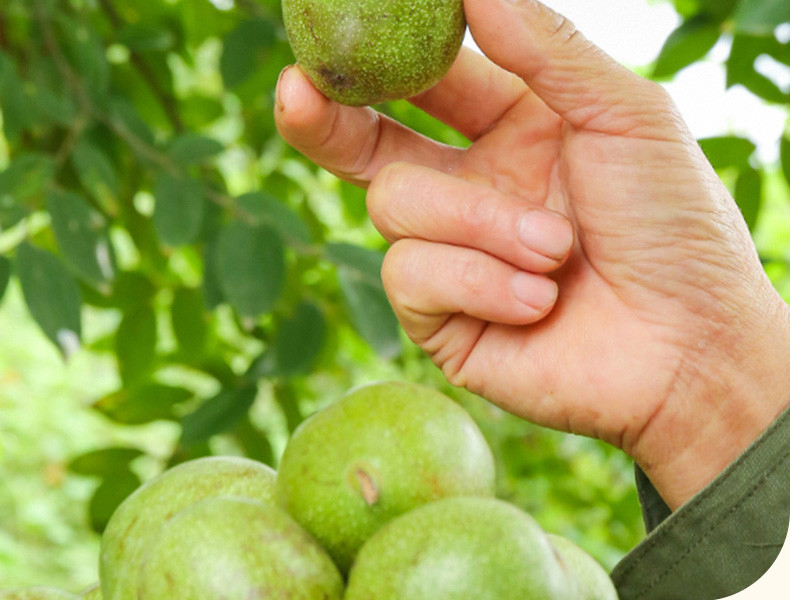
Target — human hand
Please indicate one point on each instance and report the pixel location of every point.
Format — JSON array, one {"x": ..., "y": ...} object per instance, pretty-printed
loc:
[{"x": 666, "y": 339}]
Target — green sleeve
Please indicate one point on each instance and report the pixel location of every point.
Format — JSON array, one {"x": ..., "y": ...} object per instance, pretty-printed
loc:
[{"x": 724, "y": 538}]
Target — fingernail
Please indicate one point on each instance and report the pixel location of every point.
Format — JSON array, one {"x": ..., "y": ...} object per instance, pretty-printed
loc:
[
  {"x": 279, "y": 99},
  {"x": 546, "y": 233},
  {"x": 535, "y": 291}
]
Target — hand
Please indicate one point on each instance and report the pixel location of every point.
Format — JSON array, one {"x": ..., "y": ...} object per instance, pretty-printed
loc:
[{"x": 654, "y": 327}]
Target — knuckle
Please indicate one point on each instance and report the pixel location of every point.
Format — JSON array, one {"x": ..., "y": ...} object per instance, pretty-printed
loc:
[
  {"x": 478, "y": 215},
  {"x": 472, "y": 276},
  {"x": 384, "y": 186},
  {"x": 396, "y": 268}
]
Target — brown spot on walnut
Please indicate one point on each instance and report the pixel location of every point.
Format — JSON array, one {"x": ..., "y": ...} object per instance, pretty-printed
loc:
[{"x": 338, "y": 81}]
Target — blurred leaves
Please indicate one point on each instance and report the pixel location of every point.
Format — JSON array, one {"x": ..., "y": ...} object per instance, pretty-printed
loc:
[
  {"x": 690, "y": 42},
  {"x": 52, "y": 296},
  {"x": 180, "y": 207},
  {"x": 82, "y": 238},
  {"x": 249, "y": 262},
  {"x": 217, "y": 414},
  {"x": 5, "y": 274},
  {"x": 733, "y": 153},
  {"x": 761, "y": 16}
]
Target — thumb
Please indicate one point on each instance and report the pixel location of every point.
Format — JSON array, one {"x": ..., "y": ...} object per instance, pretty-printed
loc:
[{"x": 574, "y": 77}]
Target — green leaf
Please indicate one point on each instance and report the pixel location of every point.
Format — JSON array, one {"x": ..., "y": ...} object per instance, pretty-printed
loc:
[
  {"x": 135, "y": 344},
  {"x": 59, "y": 109},
  {"x": 27, "y": 175},
  {"x": 718, "y": 9},
  {"x": 217, "y": 414},
  {"x": 5, "y": 275},
  {"x": 109, "y": 495},
  {"x": 125, "y": 116},
  {"x": 144, "y": 37},
  {"x": 245, "y": 49},
  {"x": 299, "y": 340},
  {"x": 180, "y": 209},
  {"x": 14, "y": 101},
  {"x": 104, "y": 462},
  {"x": 761, "y": 16},
  {"x": 784, "y": 152},
  {"x": 199, "y": 111},
  {"x": 142, "y": 404},
  {"x": 96, "y": 172},
  {"x": 266, "y": 209},
  {"x": 365, "y": 263},
  {"x": 189, "y": 319},
  {"x": 749, "y": 195},
  {"x": 370, "y": 313},
  {"x": 87, "y": 55},
  {"x": 82, "y": 238},
  {"x": 690, "y": 42},
  {"x": 728, "y": 151},
  {"x": 249, "y": 263},
  {"x": 288, "y": 399},
  {"x": 52, "y": 296},
  {"x": 193, "y": 148},
  {"x": 212, "y": 288},
  {"x": 254, "y": 442},
  {"x": 745, "y": 51}
]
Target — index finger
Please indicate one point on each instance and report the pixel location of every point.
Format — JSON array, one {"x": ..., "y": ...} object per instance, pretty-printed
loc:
[{"x": 474, "y": 94}]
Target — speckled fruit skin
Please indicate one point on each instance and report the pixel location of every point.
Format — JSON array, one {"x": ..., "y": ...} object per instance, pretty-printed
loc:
[
  {"x": 592, "y": 579},
  {"x": 377, "y": 452},
  {"x": 362, "y": 52},
  {"x": 236, "y": 549},
  {"x": 146, "y": 510},
  {"x": 460, "y": 549},
  {"x": 36, "y": 593}
]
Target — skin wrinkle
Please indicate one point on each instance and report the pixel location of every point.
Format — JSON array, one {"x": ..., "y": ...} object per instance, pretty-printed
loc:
[{"x": 362, "y": 163}]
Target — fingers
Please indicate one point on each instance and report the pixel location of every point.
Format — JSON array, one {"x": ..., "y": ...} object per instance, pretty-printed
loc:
[
  {"x": 427, "y": 283},
  {"x": 473, "y": 96},
  {"x": 408, "y": 201},
  {"x": 570, "y": 74},
  {"x": 352, "y": 142}
]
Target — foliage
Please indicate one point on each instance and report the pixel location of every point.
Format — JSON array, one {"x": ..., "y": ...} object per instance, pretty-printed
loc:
[{"x": 155, "y": 225}]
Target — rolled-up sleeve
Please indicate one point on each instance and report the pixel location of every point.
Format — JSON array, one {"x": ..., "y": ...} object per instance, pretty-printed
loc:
[{"x": 723, "y": 539}]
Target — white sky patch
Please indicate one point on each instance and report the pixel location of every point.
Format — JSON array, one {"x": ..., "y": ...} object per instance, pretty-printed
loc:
[{"x": 633, "y": 32}]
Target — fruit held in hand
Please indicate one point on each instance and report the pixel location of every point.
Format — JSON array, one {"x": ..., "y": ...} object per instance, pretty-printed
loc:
[
  {"x": 593, "y": 581},
  {"x": 141, "y": 516},
  {"x": 361, "y": 52},
  {"x": 376, "y": 453},
  {"x": 236, "y": 549},
  {"x": 458, "y": 549}
]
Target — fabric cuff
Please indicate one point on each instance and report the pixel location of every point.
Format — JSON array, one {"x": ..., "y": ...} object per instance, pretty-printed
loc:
[{"x": 724, "y": 538}]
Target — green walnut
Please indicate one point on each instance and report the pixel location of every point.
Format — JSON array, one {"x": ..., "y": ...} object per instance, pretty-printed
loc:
[
  {"x": 362, "y": 52},
  {"x": 379, "y": 451},
  {"x": 228, "y": 548},
  {"x": 460, "y": 548},
  {"x": 142, "y": 515}
]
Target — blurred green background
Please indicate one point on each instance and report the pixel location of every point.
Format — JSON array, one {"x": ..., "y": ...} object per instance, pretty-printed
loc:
[{"x": 175, "y": 281}]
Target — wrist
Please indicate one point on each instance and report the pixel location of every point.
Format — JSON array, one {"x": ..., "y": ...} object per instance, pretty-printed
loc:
[{"x": 718, "y": 408}]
